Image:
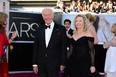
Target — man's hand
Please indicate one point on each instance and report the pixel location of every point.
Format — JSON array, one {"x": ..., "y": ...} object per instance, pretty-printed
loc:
[
  {"x": 92, "y": 69},
  {"x": 62, "y": 68},
  {"x": 69, "y": 36},
  {"x": 35, "y": 69}
]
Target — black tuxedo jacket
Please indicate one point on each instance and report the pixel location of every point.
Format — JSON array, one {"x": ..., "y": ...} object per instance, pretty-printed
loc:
[
  {"x": 70, "y": 31},
  {"x": 55, "y": 54}
]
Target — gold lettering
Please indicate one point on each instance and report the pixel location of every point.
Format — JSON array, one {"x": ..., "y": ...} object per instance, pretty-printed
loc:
[
  {"x": 24, "y": 31},
  {"x": 11, "y": 29},
  {"x": 33, "y": 29}
]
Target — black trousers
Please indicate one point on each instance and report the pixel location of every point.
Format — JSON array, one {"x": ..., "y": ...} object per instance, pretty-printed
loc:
[{"x": 66, "y": 70}]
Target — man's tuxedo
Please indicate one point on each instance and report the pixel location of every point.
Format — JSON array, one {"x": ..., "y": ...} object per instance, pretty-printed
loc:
[
  {"x": 70, "y": 31},
  {"x": 55, "y": 54}
]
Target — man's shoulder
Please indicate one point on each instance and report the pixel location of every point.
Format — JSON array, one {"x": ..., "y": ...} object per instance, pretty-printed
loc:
[{"x": 71, "y": 29}]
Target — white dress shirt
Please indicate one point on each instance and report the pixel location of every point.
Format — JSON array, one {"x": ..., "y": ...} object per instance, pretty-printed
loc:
[{"x": 48, "y": 33}]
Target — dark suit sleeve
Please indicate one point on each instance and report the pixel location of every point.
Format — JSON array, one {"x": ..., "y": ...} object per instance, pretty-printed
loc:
[
  {"x": 70, "y": 31},
  {"x": 64, "y": 43},
  {"x": 35, "y": 48}
]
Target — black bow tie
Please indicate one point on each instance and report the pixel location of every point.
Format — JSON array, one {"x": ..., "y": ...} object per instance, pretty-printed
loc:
[{"x": 47, "y": 27}]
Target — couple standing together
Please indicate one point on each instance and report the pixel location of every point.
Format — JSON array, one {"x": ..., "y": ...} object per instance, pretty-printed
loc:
[{"x": 50, "y": 48}]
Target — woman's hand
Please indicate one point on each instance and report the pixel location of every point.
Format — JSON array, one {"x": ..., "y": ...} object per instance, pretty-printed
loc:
[{"x": 14, "y": 35}]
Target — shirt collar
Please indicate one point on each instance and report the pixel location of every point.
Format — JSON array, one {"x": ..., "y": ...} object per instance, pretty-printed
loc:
[{"x": 51, "y": 25}]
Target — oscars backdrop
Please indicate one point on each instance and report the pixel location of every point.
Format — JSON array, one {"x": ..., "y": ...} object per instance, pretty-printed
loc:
[{"x": 20, "y": 51}]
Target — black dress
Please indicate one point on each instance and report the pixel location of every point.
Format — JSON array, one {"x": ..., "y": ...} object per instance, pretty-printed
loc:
[{"x": 82, "y": 56}]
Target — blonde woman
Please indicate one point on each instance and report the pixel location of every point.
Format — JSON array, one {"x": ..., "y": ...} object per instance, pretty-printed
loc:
[
  {"x": 82, "y": 56},
  {"x": 92, "y": 19}
]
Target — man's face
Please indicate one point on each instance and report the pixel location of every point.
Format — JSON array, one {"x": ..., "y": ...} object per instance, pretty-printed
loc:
[
  {"x": 67, "y": 25},
  {"x": 48, "y": 16}
]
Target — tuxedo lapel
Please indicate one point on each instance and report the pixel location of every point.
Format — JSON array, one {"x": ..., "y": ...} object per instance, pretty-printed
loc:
[{"x": 43, "y": 36}]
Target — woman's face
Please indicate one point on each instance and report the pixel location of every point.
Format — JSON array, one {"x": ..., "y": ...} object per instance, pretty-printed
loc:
[
  {"x": 79, "y": 22},
  {"x": 67, "y": 25}
]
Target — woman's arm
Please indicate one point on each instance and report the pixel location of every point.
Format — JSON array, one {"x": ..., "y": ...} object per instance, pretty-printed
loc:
[{"x": 13, "y": 36}]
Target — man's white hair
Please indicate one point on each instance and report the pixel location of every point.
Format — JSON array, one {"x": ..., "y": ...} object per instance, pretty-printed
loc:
[{"x": 47, "y": 9}]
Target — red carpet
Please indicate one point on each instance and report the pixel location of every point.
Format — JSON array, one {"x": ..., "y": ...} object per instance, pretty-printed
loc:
[{"x": 24, "y": 75}]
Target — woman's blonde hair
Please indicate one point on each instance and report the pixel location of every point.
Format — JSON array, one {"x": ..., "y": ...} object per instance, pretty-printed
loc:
[
  {"x": 113, "y": 30},
  {"x": 91, "y": 17},
  {"x": 86, "y": 22},
  {"x": 3, "y": 18}
]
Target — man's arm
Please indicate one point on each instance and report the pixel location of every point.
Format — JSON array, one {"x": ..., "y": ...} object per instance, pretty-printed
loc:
[{"x": 64, "y": 49}]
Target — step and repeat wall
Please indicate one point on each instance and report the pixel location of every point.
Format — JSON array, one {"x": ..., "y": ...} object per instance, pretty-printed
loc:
[{"x": 20, "y": 51}]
